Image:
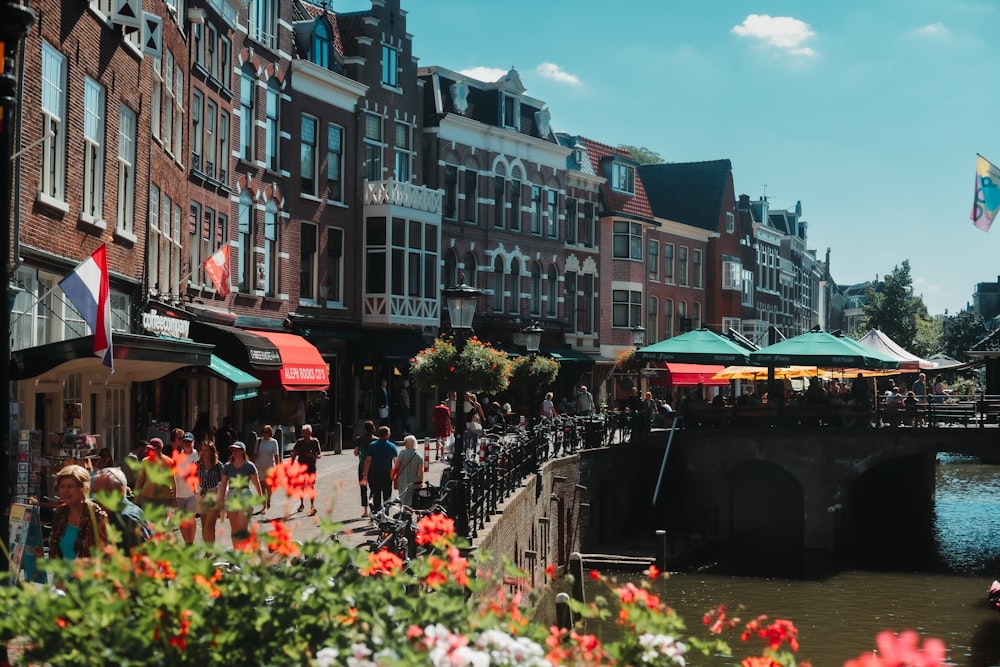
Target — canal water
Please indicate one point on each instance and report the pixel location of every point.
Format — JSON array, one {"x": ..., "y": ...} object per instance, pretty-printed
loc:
[{"x": 935, "y": 583}]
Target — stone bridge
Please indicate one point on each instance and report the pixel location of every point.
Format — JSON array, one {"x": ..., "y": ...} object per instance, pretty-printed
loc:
[{"x": 809, "y": 493}]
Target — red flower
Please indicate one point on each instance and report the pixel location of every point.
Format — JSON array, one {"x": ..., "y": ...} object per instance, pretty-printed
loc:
[
  {"x": 550, "y": 571},
  {"x": 436, "y": 529},
  {"x": 383, "y": 562},
  {"x": 292, "y": 478},
  {"x": 280, "y": 540},
  {"x": 653, "y": 572},
  {"x": 595, "y": 575}
]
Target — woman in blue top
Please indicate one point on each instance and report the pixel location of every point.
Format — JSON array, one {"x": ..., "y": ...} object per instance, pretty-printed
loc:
[
  {"x": 79, "y": 525},
  {"x": 239, "y": 512}
]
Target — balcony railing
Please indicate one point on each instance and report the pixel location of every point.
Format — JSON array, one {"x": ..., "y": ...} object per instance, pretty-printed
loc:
[{"x": 395, "y": 193}]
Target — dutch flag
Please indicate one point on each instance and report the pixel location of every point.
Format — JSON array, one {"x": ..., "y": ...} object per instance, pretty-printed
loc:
[{"x": 88, "y": 290}]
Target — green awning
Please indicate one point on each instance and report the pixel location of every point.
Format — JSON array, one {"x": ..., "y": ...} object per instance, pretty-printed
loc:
[
  {"x": 244, "y": 384},
  {"x": 568, "y": 354}
]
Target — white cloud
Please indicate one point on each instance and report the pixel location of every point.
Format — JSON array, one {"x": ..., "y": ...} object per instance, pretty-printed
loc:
[
  {"x": 931, "y": 30},
  {"x": 488, "y": 74},
  {"x": 781, "y": 32},
  {"x": 556, "y": 73}
]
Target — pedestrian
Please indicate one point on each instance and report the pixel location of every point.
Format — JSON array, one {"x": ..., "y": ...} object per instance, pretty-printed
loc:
[
  {"x": 209, "y": 478},
  {"x": 236, "y": 502},
  {"x": 442, "y": 427},
  {"x": 408, "y": 472},
  {"x": 175, "y": 444},
  {"x": 132, "y": 462},
  {"x": 153, "y": 493},
  {"x": 225, "y": 436},
  {"x": 938, "y": 394},
  {"x": 306, "y": 452},
  {"x": 919, "y": 388},
  {"x": 361, "y": 443},
  {"x": 548, "y": 410},
  {"x": 104, "y": 459},
  {"x": 378, "y": 466},
  {"x": 185, "y": 472},
  {"x": 584, "y": 401},
  {"x": 266, "y": 457},
  {"x": 109, "y": 489},
  {"x": 79, "y": 525},
  {"x": 382, "y": 402}
]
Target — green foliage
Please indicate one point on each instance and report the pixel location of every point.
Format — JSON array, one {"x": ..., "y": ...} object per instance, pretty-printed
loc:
[
  {"x": 927, "y": 340},
  {"x": 531, "y": 374},
  {"x": 961, "y": 333},
  {"x": 641, "y": 154},
  {"x": 894, "y": 309},
  {"x": 479, "y": 367}
]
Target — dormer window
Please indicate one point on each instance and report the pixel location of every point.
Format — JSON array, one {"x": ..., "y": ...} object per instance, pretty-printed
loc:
[
  {"x": 321, "y": 49},
  {"x": 510, "y": 111},
  {"x": 623, "y": 178}
]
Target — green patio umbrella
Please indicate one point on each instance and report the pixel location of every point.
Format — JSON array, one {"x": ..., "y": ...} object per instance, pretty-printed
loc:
[
  {"x": 702, "y": 346},
  {"x": 819, "y": 348}
]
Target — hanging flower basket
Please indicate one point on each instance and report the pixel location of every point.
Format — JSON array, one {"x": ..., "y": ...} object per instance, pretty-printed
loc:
[
  {"x": 532, "y": 374},
  {"x": 479, "y": 367}
]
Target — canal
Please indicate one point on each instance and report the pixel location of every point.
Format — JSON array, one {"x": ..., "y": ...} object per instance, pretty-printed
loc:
[{"x": 934, "y": 582}]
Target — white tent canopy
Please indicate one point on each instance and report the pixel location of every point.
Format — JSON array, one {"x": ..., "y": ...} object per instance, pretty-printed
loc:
[{"x": 880, "y": 342}]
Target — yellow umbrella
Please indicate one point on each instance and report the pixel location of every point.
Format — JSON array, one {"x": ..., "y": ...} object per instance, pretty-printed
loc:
[{"x": 760, "y": 372}]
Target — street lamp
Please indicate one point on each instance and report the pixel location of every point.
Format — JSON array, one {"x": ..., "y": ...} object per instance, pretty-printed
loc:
[
  {"x": 638, "y": 340},
  {"x": 532, "y": 337},
  {"x": 461, "y": 301}
]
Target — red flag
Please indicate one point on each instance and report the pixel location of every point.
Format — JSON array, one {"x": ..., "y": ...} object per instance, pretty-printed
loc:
[
  {"x": 217, "y": 269},
  {"x": 88, "y": 289}
]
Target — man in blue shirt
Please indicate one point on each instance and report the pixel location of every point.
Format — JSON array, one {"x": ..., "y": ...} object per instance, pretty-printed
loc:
[
  {"x": 378, "y": 467},
  {"x": 108, "y": 490}
]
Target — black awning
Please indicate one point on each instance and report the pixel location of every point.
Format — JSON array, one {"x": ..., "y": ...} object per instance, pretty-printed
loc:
[
  {"x": 397, "y": 345},
  {"x": 137, "y": 358},
  {"x": 239, "y": 347}
]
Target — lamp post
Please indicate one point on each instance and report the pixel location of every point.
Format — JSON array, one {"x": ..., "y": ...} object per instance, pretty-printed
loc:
[
  {"x": 461, "y": 301},
  {"x": 532, "y": 337},
  {"x": 638, "y": 340}
]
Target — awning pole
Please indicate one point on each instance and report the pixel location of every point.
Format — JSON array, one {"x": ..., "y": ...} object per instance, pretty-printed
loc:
[{"x": 666, "y": 452}]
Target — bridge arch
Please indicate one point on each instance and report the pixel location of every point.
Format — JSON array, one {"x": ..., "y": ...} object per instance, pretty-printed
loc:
[{"x": 767, "y": 507}]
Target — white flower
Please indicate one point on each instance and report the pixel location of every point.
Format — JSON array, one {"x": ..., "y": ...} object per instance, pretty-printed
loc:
[{"x": 657, "y": 646}]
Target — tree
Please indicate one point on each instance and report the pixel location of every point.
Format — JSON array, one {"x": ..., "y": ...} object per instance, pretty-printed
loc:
[
  {"x": 893, "y": 309},
  {"x": 927, "y": 341},
  {"x": 961, "y": 333},
  {"x": 641, "y": 154}
]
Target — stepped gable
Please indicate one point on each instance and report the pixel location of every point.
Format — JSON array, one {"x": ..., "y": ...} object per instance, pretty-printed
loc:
[
  {"x": 617, "y": 202},
  {"x": 688, "y": 192}
]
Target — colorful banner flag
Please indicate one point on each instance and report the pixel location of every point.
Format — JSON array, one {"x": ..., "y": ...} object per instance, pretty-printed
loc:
[
  {"x": 217, "y": 269},
  {"x": 88, "y": 290},
  {"x": 987, "y": 202}
]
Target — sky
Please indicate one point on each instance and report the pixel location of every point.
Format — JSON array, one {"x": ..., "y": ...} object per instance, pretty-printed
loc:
[{"x": 868, "y": 112}]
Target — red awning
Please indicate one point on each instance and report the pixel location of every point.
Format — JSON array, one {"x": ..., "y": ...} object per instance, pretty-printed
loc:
[
  {"x": 689, "y": 375},
  {"x": 302, "y": 367}
]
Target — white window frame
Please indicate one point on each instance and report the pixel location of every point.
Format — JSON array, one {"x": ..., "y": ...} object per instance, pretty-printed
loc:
[
  {"x": 222, "y": 161},
  {"x": 272, "y": 125},
  {"x": 623, "y": 178},
  {"x": 197, "y": 131},
  {"x": 470, "y": 184},
  {"x": 168, "y": 100},
  {"x": 156, "y": 105},
  {"x": 373, "y": 129},
  {"x": 732, "y": 275},
  {"x": 178, "y": 148},
  {"x": 730, "y": 222},
  {"x": 309, "y": 155},
  {"x": 244, "y": 243},
  {"x": 626, "y": 302},
  {"x": 334, "y": 267},
  {"x": 248, "y": 112},
  {"x": 272, "y": 218},
  {"x": 510, "y": 110},
  {"x": 125, "y": 223},
  {"x": 153, "y": 266},
  {"x": 52, "y": 179},
  {"x": 653, "y": 259},
  {"x": 210, "y": 161},
  {"x": 334, "y": 163},
  {"x": 93, "y": 152},
  {"x": 262, "y": 19},
  {"x": 404, "y": 152},
  {"x": 552, "y": 212},
  {"x": 390, "y": 66}
]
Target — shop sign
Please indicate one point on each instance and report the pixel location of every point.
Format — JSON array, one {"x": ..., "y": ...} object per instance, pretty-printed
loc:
[
  {"x": 266, "y": 356},
  {"x": 164, "y": 325}
]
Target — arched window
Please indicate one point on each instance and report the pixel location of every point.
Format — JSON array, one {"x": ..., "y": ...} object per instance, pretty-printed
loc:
[
  {"x": 321, "y": 51},
  {"x": 553, "y": 282},
  {"x": 515, "y": 287},
  {"x": 269, "y": 267},
  {"x": 536, "y": 289},
  {"x": 652, "y": 320},
  {"x": 244, "y": 242},
  {"x": 498, "y": 285},
  {"x": 449, "y": 276},
  {"x": 471, "y": 267}
]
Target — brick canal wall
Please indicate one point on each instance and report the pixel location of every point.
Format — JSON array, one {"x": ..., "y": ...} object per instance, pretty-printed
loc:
[{"x": 571, "y": 503}]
